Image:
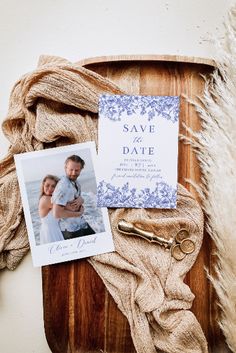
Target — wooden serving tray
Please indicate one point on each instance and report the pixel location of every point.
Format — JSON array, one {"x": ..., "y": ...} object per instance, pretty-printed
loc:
[{"x": 79, "y": 314}]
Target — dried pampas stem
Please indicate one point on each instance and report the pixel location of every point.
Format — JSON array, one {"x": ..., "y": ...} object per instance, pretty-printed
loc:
[{"x": 215, "y": 146}]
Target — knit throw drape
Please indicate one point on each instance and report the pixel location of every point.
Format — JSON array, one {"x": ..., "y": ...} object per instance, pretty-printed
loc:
[{"x": 55, "y": 105}]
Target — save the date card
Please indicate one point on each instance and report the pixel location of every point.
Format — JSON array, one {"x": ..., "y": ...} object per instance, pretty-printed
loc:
[{"x": 137, "y": 151}]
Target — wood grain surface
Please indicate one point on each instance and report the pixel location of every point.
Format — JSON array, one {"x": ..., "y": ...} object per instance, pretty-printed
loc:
[{"x": 79, "y": 314}]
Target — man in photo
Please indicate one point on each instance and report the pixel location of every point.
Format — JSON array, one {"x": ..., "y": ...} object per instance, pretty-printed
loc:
[{"x": 68, "y": 191}]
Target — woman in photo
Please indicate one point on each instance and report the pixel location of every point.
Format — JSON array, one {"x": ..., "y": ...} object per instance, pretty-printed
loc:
[{"x": 49, "y": 230}]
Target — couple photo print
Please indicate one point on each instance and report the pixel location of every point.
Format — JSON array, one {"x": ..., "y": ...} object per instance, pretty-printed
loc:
[{"x": 59, "y": 195}]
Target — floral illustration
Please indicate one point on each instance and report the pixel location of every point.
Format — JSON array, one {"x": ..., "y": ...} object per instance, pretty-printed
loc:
[
  {"x": 163, "y": 196},
  {"x": 114, "y": 106}
]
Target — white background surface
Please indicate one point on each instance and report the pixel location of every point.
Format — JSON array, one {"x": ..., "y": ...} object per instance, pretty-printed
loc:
[{"x": 75, "y": 30}]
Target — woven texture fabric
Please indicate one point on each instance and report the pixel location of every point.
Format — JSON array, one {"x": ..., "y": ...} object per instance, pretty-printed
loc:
[
  {"x": 52, "y": 106},
  {"x": 55, "y": 105},
  {"x": 147, "y": 282}
]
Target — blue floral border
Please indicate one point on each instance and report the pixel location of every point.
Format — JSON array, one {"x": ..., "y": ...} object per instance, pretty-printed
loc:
[
  {"x": 113, "y": 106},
  {"x": 163, "y": 196}
]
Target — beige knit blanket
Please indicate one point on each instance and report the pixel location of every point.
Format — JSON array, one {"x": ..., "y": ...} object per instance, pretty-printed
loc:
[{"x": 57, "y": 104}]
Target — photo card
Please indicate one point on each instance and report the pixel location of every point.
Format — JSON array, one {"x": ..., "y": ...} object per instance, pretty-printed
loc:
[{"x": 59, "y": 195}]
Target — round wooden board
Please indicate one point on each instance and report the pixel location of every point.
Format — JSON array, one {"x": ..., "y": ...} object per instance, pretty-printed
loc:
[{"x": 79, "y": 314}]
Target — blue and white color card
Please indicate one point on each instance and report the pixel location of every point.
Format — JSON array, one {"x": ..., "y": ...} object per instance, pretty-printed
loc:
[{"x": 137, "y": 151}]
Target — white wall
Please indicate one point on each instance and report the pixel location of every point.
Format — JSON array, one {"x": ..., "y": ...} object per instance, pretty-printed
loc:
[{"x": 78, "y": 29}]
